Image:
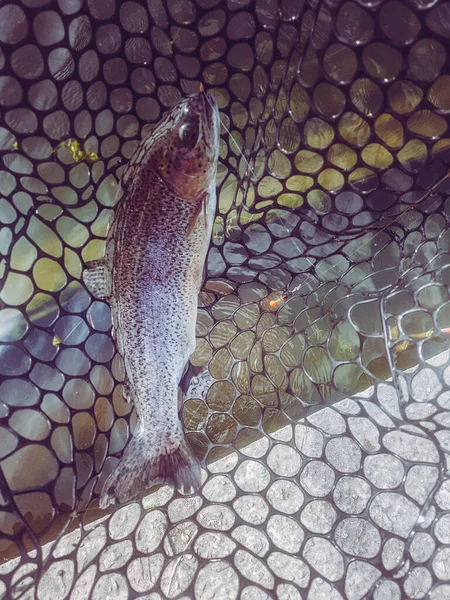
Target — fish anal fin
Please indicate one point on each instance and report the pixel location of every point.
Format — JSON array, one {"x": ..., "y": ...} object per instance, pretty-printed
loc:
[
  {"x": 200, "y": 212},
  {"x": 96, "y": 278}
]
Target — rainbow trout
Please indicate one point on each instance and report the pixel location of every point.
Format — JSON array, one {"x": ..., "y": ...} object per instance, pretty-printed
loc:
[{"x": 151, "y": 276}]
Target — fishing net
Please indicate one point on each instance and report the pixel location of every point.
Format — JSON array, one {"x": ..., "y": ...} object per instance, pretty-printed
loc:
[{"x": 317, "y": 396}]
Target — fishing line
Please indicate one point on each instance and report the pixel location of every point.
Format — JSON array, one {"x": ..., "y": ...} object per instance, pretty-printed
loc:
[
  {"x": 289, "y": 293},
  {"x": 202, "y": 90}
]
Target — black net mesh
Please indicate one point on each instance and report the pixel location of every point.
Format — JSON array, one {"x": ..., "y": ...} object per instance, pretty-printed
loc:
[{"x": 317, "y": 396}]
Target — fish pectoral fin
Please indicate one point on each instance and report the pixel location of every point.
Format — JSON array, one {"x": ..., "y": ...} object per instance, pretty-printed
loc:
[
  {"x": 200, "y": 213},
  {"x": 97, "y": 280},
  {"x": 126, "y": 392}
]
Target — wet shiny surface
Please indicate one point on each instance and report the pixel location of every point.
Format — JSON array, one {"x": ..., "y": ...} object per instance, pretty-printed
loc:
[{"x": 342, "y": 197}]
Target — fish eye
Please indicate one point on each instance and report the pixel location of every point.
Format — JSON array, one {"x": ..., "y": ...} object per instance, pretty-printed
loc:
[{"x": 188, "y": 135}]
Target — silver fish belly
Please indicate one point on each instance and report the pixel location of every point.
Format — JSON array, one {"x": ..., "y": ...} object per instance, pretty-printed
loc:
[{"x": 151, "y": 276}]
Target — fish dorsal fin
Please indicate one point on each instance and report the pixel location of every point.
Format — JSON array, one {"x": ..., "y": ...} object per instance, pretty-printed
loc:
[{"x": 97, "y": 280}]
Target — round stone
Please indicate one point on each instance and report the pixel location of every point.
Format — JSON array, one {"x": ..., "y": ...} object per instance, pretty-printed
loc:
[
  {"x": 13, "y": 325},
  {"x": 27, "y": 62},
  {"x": 73, "y": 361},
  {"x": 144, "y": 572},
  {"x": 16, "y": 290},
  {"x": 10, "y": 91},
  {"x": 318, "y": 516},
  {"x": 100, "y": 347},
  {"x": 46, "y": 377},
  {"x": 110, "y": 581},
  {"x": 62, "y": 444},
  {"x": 56, "y": 410},
  {"x": 365, "y": 432},
  {"x": 422, "y": 547},
  {"x": 102, "y": 379},
  {"x": 352, "y": 494},
  {"x": 387, "y": 590},
  {"x": 253, "y": 569},
  {"x": 8, "y": 442},
  {"x": 309, "y": 441},
  {"x": 420, "y": 481},
  {"x": 219, "y": 489},
  {"x": 251, "y": 538},
  {"x": 256, "y": 238},
  {"x": 62, "y": 570},
  {"x": 78, "y": 394},
  {"x": 13, "y": 24},
  {"x": 115, "y": 556},
  {"x": 252, "y": 509},
  {"x": 42, "y": 468},
  {"x": 150, "y": 532},
  {"x": 317, "y": 478},
  {"x": 329, "y": 421},
  {"x": 411, "y": 447},
  {"x": 212, "y": 545},
  {"x": 48, "y": 28},
  {"x": 252, "y": 476},
  {"x": 73, "y": 233},
  {"x": 71, "y": 330},
  {"x": 49, "y": 275},
  {"x": 441, "y": 592},
  {"x": 398, "y": 23},
  {"x": 442, "y": 529},
  {"x": 324, "y": 558},
  {"x": 384, "y": 471},
  {"x": 442, "y": 497},
  {"x": 41, "y": 345},
  {"x": 30, "y": 424},
  {"x": 343, "y": 454},
  {"x": 425, "y": 385},
  {"x": 119, "y": 436},
  {"x": 99, "y": 316},
  {"x": 441, "y": 564},
  {"x": 84, "y": 429},
  {"x": 252, "y": 592},
  {"x": 289, "y": 568},
  {"x": 393, "y": 553},
  {"x": 285, "y": 533},
  {"x": 417, "y": 583},
  {"x": 65, "y": 488},
  {"x": 13, "y": 360},
  {"x": 354, "y": 25},
  {"x": 360, "y": 578},
  {"x": 394, "y": 513},
  {"x": 42, "y": 310},
  {"x": 358, "y": 537},
  {"x": 322, "y": 590},
  {"x": 216, "y": 516},
  {"x": 7, "y": 212},
  {"x": 285, "y": 496},
  {"x": 284, "y": 461},
  {"x": 217, "y": 580}
]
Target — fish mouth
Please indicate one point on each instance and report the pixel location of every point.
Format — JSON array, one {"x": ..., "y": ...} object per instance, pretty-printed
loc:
[{"x": 206, "y": 108}]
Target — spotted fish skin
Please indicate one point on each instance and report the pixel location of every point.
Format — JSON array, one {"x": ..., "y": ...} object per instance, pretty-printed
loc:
[{"x": 151, "y": 275}]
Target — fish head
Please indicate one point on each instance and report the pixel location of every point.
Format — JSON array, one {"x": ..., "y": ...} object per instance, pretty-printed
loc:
[{"x": 187, "y": 160}]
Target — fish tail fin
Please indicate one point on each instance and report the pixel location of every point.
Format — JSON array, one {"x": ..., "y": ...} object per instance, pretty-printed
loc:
[{"x": 146, "y": 463}]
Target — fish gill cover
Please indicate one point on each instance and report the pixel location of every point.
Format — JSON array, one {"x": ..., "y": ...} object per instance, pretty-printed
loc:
[{"x": 317, "y": 396}]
